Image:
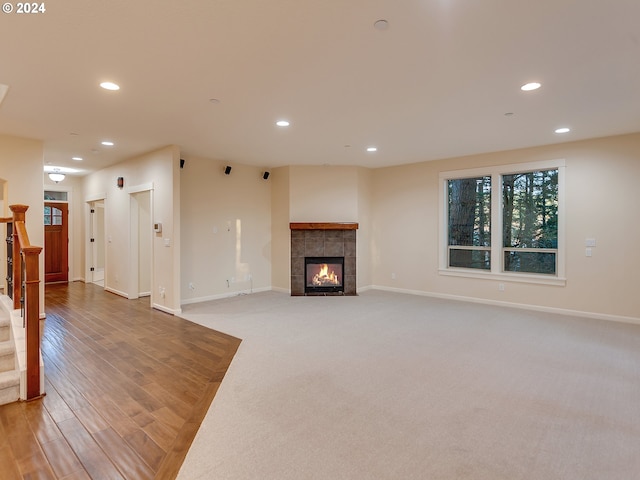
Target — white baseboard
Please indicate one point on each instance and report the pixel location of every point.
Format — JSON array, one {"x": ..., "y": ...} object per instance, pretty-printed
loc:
[
  {"x": 172, "y": 311},
  {"x": 523, "y": 306},
  {"x": 117, "y": 292},
  {"x": 281, "y": 290},
  {"x": 224, "y": 295}
]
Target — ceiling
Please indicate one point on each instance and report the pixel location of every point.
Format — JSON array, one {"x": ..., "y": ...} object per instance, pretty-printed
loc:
[{"x": 442, "y": 80}]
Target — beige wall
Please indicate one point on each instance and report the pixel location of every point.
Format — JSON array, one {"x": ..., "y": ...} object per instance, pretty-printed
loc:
[
  {"x": 601, "y": 202},
  {"x": 235, "y": 227},
  {"x": 158, "y": 171},
  {"x": 226, "y": 225},
  {"x": 280, "y": 232},
  {"x": 21, "y": 165},
  {"x": 323, "y": 194}
]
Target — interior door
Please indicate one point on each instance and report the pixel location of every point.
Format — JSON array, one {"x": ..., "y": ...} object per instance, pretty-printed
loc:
[
  {"x": 96, "y": 247},
  {"x": 56, "y": 242}
]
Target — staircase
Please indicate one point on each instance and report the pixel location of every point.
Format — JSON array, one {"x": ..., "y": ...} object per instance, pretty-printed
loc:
[{"x": 9, "y": 373}]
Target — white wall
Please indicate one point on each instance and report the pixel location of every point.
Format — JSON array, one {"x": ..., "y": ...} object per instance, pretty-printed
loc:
[
  {"x": 226, "y": 225},
  {"x": 602, "y": 199},
  {"x": 21, "y": 166},
  {"x": 158, "y": 170}
]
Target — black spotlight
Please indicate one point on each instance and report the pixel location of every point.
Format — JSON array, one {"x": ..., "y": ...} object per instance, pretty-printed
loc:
[
  {"x": 227, "y": 170},
  {"x": 182, "y": 163},
  {"x": 265, "y": 175}
]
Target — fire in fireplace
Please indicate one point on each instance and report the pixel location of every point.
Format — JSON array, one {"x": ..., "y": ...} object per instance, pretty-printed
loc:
[{"x": 324, "y": 274}]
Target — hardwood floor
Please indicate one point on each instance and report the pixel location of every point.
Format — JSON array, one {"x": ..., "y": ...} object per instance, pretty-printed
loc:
[{"x": 126, "y": 390}]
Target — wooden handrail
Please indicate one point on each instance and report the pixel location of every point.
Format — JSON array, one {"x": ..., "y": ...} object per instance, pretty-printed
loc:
[{"x": 29, "y": 254}]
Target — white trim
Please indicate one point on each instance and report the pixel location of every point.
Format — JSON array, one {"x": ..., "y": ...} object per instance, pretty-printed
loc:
[
  {"x": 134, "y": 240},
  {"x": 521, "y": 306},
  {"x": 496, "y": 172},
  {"x": 279, "y": 289},
  {"x": 88, "y": 232},
  {"x": 95, "y": 197},
  {"x": 228, "y": 295},
  {"x": 140, "y": 188},
  {"x": 164, "y": 309},
  {"x": 117, "y": 292},
  {"x": 505, "y": 277}
]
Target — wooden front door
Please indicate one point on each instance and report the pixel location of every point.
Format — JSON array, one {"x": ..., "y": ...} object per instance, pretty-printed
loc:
[{"x": 56, "y": 242}]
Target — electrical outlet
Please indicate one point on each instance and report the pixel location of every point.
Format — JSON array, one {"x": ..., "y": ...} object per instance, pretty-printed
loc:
[{"x": 501, "y": 287}]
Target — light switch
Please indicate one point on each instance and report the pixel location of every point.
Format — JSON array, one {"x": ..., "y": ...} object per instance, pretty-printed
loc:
[
  {"x": 587, "y": 252},
  {"x": 589, "y": 242}
]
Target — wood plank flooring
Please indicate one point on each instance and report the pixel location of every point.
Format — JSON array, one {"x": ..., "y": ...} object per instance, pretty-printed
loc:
[{"x": 126, "y": 390}]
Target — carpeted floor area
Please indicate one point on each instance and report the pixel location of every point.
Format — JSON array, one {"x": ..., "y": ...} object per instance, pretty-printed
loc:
[{"x": 388, "y": 386}]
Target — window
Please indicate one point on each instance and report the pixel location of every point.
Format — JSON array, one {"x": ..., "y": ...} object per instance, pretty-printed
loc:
[
  {"x": 469, "y": 219},
  {"x": 504, "y": 222},
  {"x": 52, "y": 216},
  {"x": 55, "y": 196},
  {"x": 530, "y": 221}
]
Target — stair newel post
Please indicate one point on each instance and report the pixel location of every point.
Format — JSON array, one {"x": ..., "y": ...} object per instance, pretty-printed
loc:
[{"x": 32, "y": 315}]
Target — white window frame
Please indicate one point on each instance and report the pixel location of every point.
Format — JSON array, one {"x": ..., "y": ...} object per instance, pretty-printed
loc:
[{"x": 496, "y": 273}]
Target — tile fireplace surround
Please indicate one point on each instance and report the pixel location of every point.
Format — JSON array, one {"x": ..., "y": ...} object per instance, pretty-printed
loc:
[{"x": 323, "y": 240}]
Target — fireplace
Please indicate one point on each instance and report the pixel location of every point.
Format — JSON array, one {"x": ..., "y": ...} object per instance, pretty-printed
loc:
[
  {"x": 314, "y": 245},
  {"x": 323, "y": 274}
]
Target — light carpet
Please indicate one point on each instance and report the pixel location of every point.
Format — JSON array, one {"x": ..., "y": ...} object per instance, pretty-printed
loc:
[{"x": 392, "y": 386}]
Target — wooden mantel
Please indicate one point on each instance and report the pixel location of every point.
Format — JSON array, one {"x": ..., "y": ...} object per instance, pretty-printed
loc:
[{"x": 324, "y": 226}]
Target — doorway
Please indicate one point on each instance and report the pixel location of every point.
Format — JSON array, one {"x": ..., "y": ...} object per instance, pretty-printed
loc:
[
  {"x": 56, "y": 242},
  {"x": 141, "y": 242},
  {"x": 96, "y": 242}
]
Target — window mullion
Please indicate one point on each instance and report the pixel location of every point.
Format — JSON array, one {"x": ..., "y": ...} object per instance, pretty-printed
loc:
[{"x": 496, "y": 223}]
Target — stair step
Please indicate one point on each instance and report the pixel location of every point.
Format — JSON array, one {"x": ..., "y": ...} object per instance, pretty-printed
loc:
[
  {"x": 9, "y": 387},
  {"x": 5, "y": 326},
  {"x": 7, "y": 356}
]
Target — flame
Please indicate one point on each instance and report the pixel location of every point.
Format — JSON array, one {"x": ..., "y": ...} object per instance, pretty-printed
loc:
[{"x": 323, "y": 277}]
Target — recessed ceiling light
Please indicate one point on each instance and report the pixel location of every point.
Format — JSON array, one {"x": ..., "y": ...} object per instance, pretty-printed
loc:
[
  {"x": 107, "y": 143},
  {"x": 527, "y": 87},
  {"x": 282, "y": 123},
  {"x": 110, "y": 86},
  {"x": 372, "y": 149},
  {"x": 381, "y": 24},
  {"x": 78, "y": 159},
  {"x": 563, "y": 130}
]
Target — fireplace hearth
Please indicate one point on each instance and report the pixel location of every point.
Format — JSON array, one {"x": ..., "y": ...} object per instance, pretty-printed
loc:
[{"x": 323, "y": 258}]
